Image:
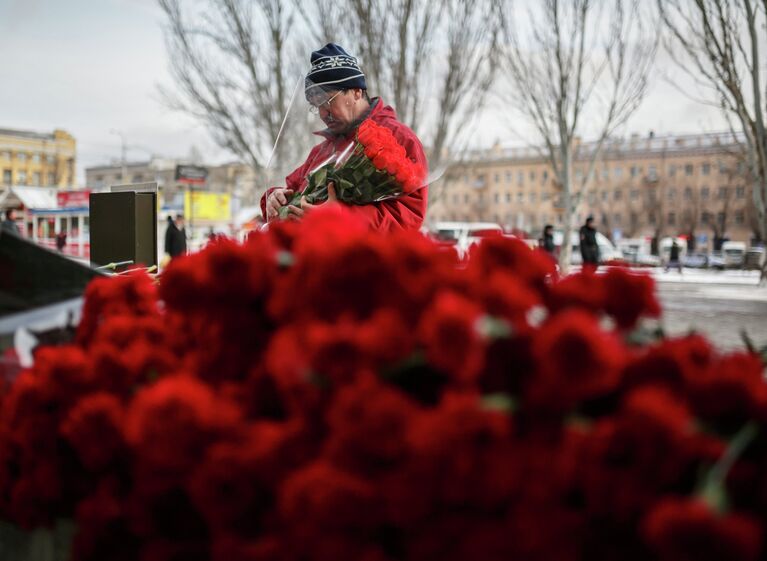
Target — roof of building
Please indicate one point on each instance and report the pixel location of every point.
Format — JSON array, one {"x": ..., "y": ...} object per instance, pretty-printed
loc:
[
  {"x": 633, "y": 145},
  {"x": 27, "y": 134}
]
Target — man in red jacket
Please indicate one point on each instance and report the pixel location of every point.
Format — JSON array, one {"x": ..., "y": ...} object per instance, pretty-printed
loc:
[{"x": 336, "y": 90}]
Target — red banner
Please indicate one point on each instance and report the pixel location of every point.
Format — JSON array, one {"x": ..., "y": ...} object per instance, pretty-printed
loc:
[{"x": 72, "y": 199}]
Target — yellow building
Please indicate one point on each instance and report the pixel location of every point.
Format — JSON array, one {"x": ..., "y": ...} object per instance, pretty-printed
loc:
[
  {"x": 37, "y": 159},
  {"x": 654, "y": 186}
]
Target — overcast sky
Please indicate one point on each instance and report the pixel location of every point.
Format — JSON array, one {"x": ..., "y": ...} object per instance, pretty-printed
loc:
[{"x": 93, "y": 66}]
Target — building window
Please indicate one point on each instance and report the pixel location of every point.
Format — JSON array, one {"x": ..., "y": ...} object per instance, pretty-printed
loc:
[
  {"x": 722, "y": 168},
  {"x": 455, "y": 199},
  {"x": 35, "y": 158},
  {"x": 36, "y": 178},
  {"x": 688, "y": 169},
  {"x": 740, "y": 191},
  {"x": 497, "y": 178},
  {"x": 578, "y": 173},
  {"x": 51, "y": 159},
  {"x": 617, "y": 172},
  {"x": 605, "y": 173},
  {"x": 520, "y": 197},
  {"x": 617, "y": 194},
  {"x": 634, "y": 194},
  {"x": 634, "y": 171},
  {"x": 137, "y": 178},
  {"x": 720, "y": 216},
  {"x": 545, "y": 176},
  {"x": 496, "y": 197},
  {"x": 520, "y": 178},
  {"x": 5, "y": 155},
  {"x": 740, "y": 217},
  {"x": 7, "y": 176},
  {"x": 722, "y": 193},
  {"x": 545, "y": 196},
  {"x": 531, "y": 197},
  {"x": 532, "y": 175},
  {"x": 706, "y": 169},
  {"x": 705, "y": 217},
  {"x": 671, "y": 194},
  {"x": 652, "y": 218},
  {"x": 508, "y": 177},
  {"x": 508, "y": 197},
  {"x": 605, "y": 195},
  {"x": 592, "y": 197},
  {"x": 672, "y": 219},
  {"x": 51, "y": 179},
  {"x": 465, "y": 197},
  {"x": 704, "y": 193},
  {"x": 688, "y": 193},
  {"x": 22, "y": 178},
  {"x": 652, "y": 173},
  {"x": 21, "y": 157},
  {"x": 672, "y": 170}
]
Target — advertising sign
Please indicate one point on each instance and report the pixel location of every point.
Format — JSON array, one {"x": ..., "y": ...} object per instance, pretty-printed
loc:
[
  {"x": 199, "y": 205},
  {"x": 191, "y": 174},
  {"x": 72, "y": 199}
]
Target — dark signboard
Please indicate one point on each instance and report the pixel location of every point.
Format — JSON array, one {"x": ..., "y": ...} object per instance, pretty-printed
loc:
[{"x": 191, "y": 174}]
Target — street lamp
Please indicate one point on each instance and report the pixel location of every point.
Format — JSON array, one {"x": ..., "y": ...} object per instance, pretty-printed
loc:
[{"x": 123, "y": 152}]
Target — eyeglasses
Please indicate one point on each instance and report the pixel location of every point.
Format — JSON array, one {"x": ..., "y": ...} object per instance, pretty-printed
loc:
[{"x": 314, "y": 109}]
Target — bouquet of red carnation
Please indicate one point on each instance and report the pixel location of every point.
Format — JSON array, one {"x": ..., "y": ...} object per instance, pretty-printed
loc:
[{"x": 372, "y": 168}]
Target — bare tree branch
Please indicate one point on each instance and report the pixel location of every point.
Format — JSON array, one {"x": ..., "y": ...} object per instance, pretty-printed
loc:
[{"x": 569, "y": 69}]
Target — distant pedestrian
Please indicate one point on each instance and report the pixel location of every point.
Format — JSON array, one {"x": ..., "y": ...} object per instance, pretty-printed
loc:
[
  {"x": 588, "y": 245},
  {"x": 547, "y": 240},
  {"x": 9, "y": 224},
  {"x": 673, "y": 258},
  {"x": 175, "y": 237},
  {"x": 61, "y": 241}
]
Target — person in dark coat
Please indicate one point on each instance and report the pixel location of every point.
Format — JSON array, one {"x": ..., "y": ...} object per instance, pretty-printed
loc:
[
  {"x": 547, "y": 240},
  {"x": 588, "y": 245},
  {"x": 175, "y": 237},
  {"x": 9, "y": 224},
  {"x": 673, "y": 258}
]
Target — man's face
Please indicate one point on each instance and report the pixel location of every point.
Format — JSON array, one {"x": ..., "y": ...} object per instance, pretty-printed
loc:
[
  {"x": 180, "y": 222},
  {"x": 337, "y": 109},
  {"x": 12, "y": 215}
]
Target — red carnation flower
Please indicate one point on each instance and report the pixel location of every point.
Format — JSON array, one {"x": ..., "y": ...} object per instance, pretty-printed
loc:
[
  {"x": 687, "y": 530},
  {"x": 629, "y": 295},
  {"x": 94, "y": 427},
  {"x": 576, "y": 360},
  {"x": 449, "y": 334}
]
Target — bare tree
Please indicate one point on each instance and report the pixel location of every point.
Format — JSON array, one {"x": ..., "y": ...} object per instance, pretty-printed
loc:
[
  {"x": 569, "y": 69},
  {"x": 410, "y": 49},
  {"x": 717, "y": 43},
  {"x": 236, "y": 65}
]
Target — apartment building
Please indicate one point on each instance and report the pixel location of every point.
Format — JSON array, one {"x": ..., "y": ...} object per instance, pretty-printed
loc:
[
  {"x": 37, "y": 159},
  {"x": 655, "y": 186}
]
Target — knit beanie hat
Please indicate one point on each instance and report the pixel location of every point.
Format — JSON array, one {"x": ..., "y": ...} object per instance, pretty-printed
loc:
[{"x": 333, "y": 69}]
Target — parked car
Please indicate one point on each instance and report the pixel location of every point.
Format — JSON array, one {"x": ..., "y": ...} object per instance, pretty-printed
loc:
[
  {"x": 734, "y": 254},
  {"x": 716, "y": 260},
  {"x": 695, "y": 260},
  {"x": 607, "y": 251},
  {"x": 754, "y": 259},
  {"x": 462, "y": 235}
]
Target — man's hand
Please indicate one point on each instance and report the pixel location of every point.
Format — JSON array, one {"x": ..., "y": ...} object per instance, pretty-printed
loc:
[
  {"x": 297, "y": 212},
  {"x": 276, "y": 199}
]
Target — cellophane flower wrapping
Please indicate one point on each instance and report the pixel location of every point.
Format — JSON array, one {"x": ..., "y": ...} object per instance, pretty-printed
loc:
[
  {"x": 372, "y": 168},
  {"x": 323, "y": 392}
]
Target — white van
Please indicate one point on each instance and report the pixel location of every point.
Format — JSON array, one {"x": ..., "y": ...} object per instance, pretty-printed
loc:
[
  {"x": 734, "y": 254},
  {"x": 607, "y": 251},
  {"x": 464, "y": 234}
]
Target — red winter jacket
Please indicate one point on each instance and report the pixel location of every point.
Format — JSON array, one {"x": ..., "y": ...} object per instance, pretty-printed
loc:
[{"x": 405, "y": 212}]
